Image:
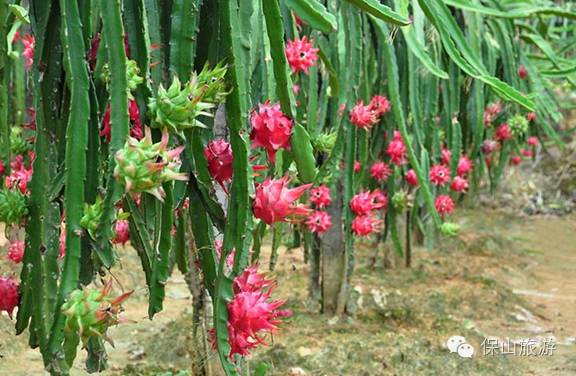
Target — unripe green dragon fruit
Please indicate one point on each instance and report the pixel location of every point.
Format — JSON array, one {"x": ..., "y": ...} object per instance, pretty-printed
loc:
[
  {"x": 518, "y": 125},
  {"x": 400, "y": 201},
  {"x": 18, "y": 145},
  {"x": 13, "y": 206},
  {"x": 211, "y": 83},
  {"x": 91, "y": 218},
  {"x": 177, "y": 108},
  {"x": 325, "y": 142},
  {"x": 132, "y": 76},
  {"x": 449, "y": 229},
  {"x": 142, "y": 166},
  {"x": 89, "y": 314}
]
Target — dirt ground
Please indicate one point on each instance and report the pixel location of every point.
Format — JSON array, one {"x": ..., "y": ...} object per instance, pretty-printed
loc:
[{"x": 506, "y": 277}]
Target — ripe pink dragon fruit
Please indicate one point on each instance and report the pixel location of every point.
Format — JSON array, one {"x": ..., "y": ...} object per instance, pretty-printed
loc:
[
  {"x": 9, "y": 294},
  {"x": 364, "y": 202},
  {"x": 121, "y": 232},
  {"x": 379, "y": 105},
  {"x": 362, "y": 117},
  {"x": 531, "y": 116},
  {"x": 459, "y": 184},
  {"x": 275, "y": 202},
  {"x": 503, "y": 133},
  {"x": 218, "y": 153},
  {"x": 136, "y": 125},
  {"x": 19, "y": 178},
  {"x": 380, "y": 171},
  {"x": 464, "y": 166},
  {"x": 396, "y": 150},
  {"x": 439, "y": 175},
  {"x": 488, "y": 146},
  {"x": 379, "y": 200},
  {"x": 271, "y": 129},
  {"x": 522, "y": 72},
  {"x": 365, "y": 225},
  {"x": 320, "y": 196},
  {"x": 16, "y": 251},
  {"x": 516, "y": 160},
  {"x": 357, "y": 167},
  {"x": 319, "y": 222},
  {"x": 532, "y": 141},
  {"x": 252, "y": 313},
  {"x": 527, "y": 153},
  {"x": 491, "y": 111},
  {"x": 29, "y": 44},
  {"x": 229, "y": 258},
  {"x": 444, "y": 205},
  {"x": 412, "y": 178},
  {"x": 301, "y": 54},
  {"x": 446, "y": 156}
]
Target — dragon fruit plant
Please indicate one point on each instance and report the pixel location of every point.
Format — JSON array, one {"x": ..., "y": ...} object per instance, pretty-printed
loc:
[{"x": 166, "y": 124}]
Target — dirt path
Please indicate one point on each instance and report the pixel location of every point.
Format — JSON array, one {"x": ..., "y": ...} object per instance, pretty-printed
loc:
[{"x": 548, "y": 283}]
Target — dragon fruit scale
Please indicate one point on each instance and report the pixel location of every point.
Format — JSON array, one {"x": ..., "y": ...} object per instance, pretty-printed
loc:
[
  {"x": 211, "y": 83},
  {"x": 143, "y": 166}
]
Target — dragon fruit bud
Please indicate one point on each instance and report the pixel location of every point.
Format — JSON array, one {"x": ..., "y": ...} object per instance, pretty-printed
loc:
[
  {"x": 522, "y": 72},
  {"x": 9, "y": 294},
  {"x": 531, "y": 116},
  {"x": 13, "y": 206},
  {"x": 142, "y": 166},
  {"x": 89, "y": 313},
  {"x": 518, "y": 125},
  {"x": 132, "y": 75},
  {"x": 275, "y": 202},
  {"x": 16, "y": 251},
  {"x": 211, "y": 82},
  {"x": 219, "y": 155},
  {"x": 91, "y": 217},
  {"x": 319, "y": 222},
  {"x": 177, "y": 108},
  {"x": 121, "y": 232}
]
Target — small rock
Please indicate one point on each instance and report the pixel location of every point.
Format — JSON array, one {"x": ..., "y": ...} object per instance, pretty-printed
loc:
[{"x": 296, "y": 371}]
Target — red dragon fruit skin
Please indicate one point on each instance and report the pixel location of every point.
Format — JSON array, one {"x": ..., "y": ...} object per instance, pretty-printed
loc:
[
  {"x": 9, "y": 294},
  {"x": 275, "y": 202}
]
